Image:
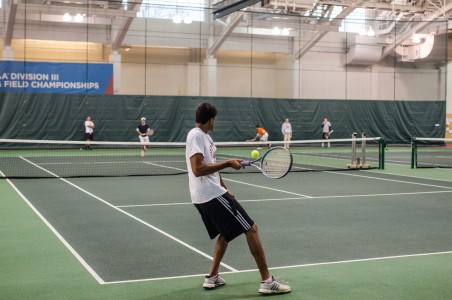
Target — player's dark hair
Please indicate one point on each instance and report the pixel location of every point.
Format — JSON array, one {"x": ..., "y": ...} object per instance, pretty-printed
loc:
[
  {"x": 204, "y": 112},
  {"x": 257, "y": 126}
]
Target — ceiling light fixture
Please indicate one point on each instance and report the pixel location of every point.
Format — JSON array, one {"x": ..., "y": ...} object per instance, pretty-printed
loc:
[
  {"x": 67, "y": 17},
  {"x": 78, "y": 18},
  {"x": 285, "y": 31},
  {"x": 177, "y": 19},
  {"x": 187, "y": 20}
]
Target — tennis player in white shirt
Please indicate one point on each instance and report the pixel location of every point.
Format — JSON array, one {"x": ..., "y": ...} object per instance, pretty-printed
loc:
[
  {"x": 326, "y": 131},
  {"x": 89, "y": 132},
  {"x": 223, "y": 217},
  {"x": 286, "y": 130}
]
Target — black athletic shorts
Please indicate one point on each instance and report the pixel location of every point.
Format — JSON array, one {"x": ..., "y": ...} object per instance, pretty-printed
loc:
[
  {"x": 89, "y": 136},
  {"x": 225, "y": 216}
]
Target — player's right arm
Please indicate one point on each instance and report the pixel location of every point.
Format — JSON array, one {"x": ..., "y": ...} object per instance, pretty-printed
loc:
[{"x": 200, "y": 168}]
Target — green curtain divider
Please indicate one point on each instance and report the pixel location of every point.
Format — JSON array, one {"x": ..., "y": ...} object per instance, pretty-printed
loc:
[{"x": 61, "y": 117}]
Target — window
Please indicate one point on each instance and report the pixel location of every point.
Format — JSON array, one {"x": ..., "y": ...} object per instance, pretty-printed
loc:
[{"x": 168, "y": 9}]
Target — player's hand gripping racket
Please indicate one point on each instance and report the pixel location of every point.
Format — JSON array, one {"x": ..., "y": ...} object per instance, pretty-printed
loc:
[{"x": 274, "y": 164}]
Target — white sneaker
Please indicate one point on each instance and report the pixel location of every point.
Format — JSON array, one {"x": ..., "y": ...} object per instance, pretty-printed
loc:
[
  {"x": 275, "y": 287},
  {"x": 213, "y": 282}
]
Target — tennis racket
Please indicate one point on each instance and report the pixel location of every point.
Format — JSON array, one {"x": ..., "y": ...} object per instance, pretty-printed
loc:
[
  {"x": 151, "y": 132},
  {"x": 330, "y": 132},
  {"x": 274, "y": 164}
]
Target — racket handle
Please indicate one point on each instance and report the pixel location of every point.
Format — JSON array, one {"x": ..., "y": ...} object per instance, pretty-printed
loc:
[{"x": 245, "y": 163}]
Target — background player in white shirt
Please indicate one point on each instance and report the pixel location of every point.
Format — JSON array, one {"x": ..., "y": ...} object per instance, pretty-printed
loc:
[
  {"x": 222, "y": 215},
  {"x": 326, "y": 131},
  {"x": 89, "y": 132},
  {"x": 286, "y": 130}
]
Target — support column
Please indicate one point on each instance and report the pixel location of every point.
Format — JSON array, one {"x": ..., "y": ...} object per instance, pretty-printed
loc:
[
  {"x": 115, "y": 59},
  {"x": 193, "y": 80},
  {"x": 8, "y": 53},
  {"x": 449, "y": 100},
  {"x": 210, "y": 64},
  {"x": 374, "y": 83},
  {"x": 296, "y": 80}
]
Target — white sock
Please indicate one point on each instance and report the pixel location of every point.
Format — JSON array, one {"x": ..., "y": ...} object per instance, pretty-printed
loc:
[{"x": 269, "y": 280}]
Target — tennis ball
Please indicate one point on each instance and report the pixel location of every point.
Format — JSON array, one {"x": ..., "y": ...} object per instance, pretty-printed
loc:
[{"x": 254, "y": 154}]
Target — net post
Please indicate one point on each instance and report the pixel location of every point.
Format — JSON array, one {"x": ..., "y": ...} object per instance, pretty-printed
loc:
[
  {"x": 354, "y": 148},
  {"x": 363, "y": 150},
  {"x": 382, "y": 154},
  {"x": 413, "y": 152},
  {"x": 353, "y": 163}
]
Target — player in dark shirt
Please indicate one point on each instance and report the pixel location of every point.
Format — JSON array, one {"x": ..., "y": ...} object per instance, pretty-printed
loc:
[{"x": 144, "y": 132}]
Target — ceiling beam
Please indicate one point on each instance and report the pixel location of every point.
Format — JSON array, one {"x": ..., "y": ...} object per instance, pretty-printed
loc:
[
  {"x": 238, "y": 17},
  {"x": 11, "y": 21},
  {"x": 319, "y": 35},
  {"x": 416, "y": 28},
  {"x": 125, "y": 27}
]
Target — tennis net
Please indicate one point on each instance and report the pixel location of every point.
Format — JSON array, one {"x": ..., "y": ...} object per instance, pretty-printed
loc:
[
  {"x": 431, "y": 153},
  {"x": 47, "y": 159}
]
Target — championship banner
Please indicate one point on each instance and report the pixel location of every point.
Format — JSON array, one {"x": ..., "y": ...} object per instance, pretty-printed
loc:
[{"x": 59, "y": 78}]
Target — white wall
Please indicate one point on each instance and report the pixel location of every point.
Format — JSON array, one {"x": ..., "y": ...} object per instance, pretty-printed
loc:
[{"x": 320, "y": 77}]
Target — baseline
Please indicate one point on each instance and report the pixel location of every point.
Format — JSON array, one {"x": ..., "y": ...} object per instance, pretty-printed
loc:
[{"x": 290, "y": 267}]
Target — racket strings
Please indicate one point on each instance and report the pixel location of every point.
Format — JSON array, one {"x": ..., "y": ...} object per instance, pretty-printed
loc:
[{"x": 277, "y": 163}]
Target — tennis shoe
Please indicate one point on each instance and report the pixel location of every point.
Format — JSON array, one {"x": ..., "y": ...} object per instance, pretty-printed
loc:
[
  {"x": 211, "y": 282},
  {"x": 277, "y": 286}
]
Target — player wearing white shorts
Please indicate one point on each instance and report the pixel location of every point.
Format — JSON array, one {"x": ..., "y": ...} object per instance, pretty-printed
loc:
[
  {"x": 262, "y": 134},
  {"x": 326, "y": 131},
  {"x": 143, "y": 131}
]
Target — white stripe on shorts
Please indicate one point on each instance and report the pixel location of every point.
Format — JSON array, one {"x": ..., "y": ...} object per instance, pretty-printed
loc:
[{"x": 239, "y": 217}]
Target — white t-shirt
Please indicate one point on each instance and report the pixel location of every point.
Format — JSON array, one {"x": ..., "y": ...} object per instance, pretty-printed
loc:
[
  {"x": 286, "y": 128},
  {"x": 203, "y": 188},
  {"x": 326, "y": 126},
  {"x": 87, "y": 128}
]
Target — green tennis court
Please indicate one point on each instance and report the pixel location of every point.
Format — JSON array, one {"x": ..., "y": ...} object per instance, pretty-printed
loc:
[{"x": 332, "y": 235}]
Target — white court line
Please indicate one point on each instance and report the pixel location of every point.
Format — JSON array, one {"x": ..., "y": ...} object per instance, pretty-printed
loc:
[
  {"x": 163, "y": 166},
  {"x": 267, "y": 188},
  {"x": 289, "y": 199},
  {"x": 107, "y": 162},
  {"x": 236, "y": 181},
  {"x": 289, "y": 267},
  {"x": 58, "y": 235},
  {"x": 387, "y": 179},
  {"x": 132, "y": 216},
  {"x": 402, "y": 175}
]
